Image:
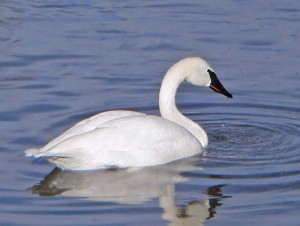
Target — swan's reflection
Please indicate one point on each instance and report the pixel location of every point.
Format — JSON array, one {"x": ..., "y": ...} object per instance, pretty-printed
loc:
[{"x": 133, "y": 186}]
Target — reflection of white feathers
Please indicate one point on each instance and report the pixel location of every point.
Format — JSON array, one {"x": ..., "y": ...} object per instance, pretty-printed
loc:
[
  {"x": 130, "y": 186},
  {"x": 194, "y": 213}
]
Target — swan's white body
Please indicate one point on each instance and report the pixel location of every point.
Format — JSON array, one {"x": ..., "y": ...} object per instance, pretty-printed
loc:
[{"x": 132, "y": 139}]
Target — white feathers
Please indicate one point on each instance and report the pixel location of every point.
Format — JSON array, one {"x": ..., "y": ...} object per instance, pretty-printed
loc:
[{"x": 133, "y": 139}]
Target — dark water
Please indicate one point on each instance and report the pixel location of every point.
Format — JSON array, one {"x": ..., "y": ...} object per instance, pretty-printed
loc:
[{"x": 62, "y": 61}]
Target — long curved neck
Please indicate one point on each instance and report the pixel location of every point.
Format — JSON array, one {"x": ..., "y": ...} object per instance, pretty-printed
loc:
[{"x": 168, "y": 110}]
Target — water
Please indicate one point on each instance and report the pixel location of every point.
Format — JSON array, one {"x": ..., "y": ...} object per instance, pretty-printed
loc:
[{"x": 63, "y": 61}]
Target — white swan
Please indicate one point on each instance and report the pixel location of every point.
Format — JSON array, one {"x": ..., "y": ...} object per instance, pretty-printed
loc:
[{"x": 132, "y": 139}]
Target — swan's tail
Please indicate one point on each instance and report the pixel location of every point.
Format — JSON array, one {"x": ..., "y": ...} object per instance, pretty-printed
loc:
[
  {"x": 38, "y": 153},
  {"x": 32, "y": 152}
]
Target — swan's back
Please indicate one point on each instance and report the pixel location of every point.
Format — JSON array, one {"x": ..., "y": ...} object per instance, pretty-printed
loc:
[{"x": 90, "y": 124}]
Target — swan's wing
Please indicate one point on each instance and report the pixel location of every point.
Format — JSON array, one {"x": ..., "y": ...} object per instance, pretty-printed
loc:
[
  {"x": 86, "y": 125},
  {"x": 132, "y": 141}
]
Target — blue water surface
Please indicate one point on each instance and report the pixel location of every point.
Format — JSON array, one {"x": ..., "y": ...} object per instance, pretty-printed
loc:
[{"x": 63, "y": 61}]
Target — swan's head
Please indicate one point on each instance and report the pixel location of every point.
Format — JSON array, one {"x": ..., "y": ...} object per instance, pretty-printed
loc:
[{"x": 199, "y": 73}]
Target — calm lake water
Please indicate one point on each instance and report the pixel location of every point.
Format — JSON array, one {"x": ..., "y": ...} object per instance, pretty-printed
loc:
[{"x": 62, "y": 61}]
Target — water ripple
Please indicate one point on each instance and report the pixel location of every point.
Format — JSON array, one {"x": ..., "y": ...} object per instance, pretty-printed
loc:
[{"x": 256, "y": 134}]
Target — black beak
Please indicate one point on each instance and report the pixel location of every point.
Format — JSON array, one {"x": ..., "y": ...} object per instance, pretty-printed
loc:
[{"x": 216, "y": 85}]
